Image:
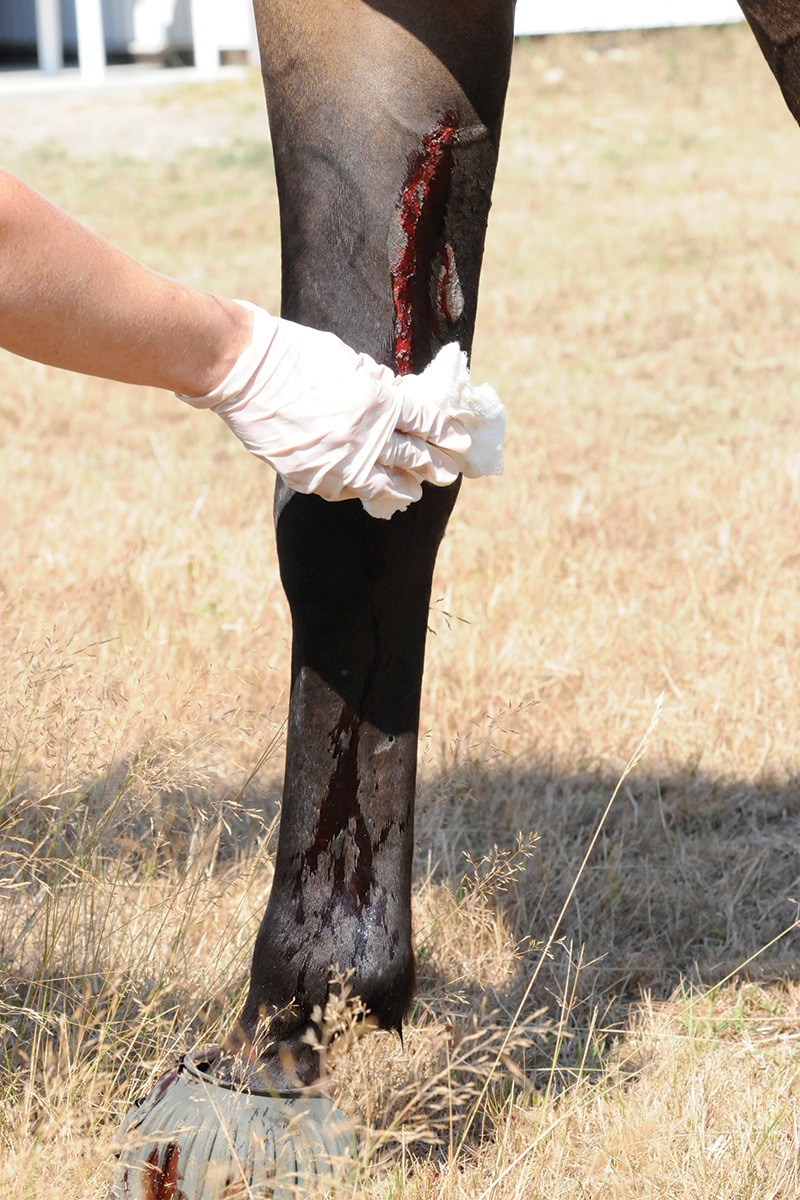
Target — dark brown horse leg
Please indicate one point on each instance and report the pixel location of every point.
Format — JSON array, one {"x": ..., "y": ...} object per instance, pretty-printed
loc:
[
  {"x": 385, "y": 119},
  {"x": 776, "y": 24}
]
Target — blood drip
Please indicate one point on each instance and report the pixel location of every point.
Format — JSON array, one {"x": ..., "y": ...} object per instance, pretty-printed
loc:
[{"x": 420, "y": 227}]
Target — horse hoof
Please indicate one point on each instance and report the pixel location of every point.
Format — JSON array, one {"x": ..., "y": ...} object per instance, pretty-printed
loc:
[{"x": 194, "y": 1138}]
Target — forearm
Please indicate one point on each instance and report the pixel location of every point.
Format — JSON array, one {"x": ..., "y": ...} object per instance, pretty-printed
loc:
[
  {"x": 328, "y": 420},
  {"x": 70, "y": 299}
]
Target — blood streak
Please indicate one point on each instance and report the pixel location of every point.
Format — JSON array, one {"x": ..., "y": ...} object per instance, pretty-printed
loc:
[
  {"x": 418, "y": 236},
  {"x": 340, "y": 811},
  {"x": 163, "y": 1086},
  {"x": 161, "y": 1183}
]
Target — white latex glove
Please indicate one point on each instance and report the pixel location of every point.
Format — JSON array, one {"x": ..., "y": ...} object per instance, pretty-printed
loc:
[{"x": 334, "y": 422}]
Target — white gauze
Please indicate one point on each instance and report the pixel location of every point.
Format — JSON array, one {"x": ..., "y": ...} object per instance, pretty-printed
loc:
[{"x": 446, "y": 384}]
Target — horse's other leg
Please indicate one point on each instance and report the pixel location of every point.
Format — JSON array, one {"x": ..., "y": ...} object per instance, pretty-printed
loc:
[
  {"x": 385, "y": 119},
  {"x": 776, "y": 24}
]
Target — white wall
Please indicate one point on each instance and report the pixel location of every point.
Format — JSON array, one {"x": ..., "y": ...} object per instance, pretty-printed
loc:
[
  {"x": 570, "y": 16},
  {"x": 17, "y": 21},
  {"x": 123, "y": 20}
]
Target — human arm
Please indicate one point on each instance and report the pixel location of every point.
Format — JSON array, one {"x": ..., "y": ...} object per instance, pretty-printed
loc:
[
  {"x": 329, "y": 420},
  {"x": 70, "y": 299}
]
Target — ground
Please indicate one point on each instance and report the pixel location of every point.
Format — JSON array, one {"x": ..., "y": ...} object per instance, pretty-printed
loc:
[
  {"x": 140, "y": 120},
  {"x": 625, "y": 1026}
]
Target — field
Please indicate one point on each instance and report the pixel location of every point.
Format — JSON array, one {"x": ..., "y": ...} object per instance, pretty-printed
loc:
[{"x": 608, "y": 999}]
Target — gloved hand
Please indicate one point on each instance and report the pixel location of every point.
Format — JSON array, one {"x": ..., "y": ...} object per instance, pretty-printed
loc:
[
  {"x": 445, "y": 384},
  {"x": 334, "y": 422}
]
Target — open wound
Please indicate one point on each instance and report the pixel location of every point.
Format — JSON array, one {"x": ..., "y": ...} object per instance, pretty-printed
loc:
[{"x": 427, "y": 291}]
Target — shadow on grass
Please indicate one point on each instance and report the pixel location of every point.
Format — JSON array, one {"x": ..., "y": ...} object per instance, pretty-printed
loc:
[
  {"x": 690, "y": 878},
  {"x": 690, "y": 881}
]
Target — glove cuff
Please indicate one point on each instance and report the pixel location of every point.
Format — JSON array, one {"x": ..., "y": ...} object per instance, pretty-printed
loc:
[{"x": 247, "y": 363}]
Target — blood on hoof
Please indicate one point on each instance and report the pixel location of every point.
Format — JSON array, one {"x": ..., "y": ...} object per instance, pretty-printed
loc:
[
  {"x": 195, "y": 1139},
  {"x": 160, "y": 1179},
  {"x": 417, "y": 242}
]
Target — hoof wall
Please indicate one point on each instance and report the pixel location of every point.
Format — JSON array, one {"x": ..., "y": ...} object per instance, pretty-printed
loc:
[{"x": 195, "y": 1139}]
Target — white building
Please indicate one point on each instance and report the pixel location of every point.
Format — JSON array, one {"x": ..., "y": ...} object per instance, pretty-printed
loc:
[
  {"x": 93, "y": 30},
  {"x": 573, "y": 16}
]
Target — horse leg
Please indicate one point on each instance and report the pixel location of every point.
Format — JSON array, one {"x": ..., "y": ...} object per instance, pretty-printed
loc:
[
  {"x": 776, "y": 25},
  {"x": 385, "y": 118}
]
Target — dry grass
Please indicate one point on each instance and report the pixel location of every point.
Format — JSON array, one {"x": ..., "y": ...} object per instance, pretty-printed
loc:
[{"x": 639, "y": 317}]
